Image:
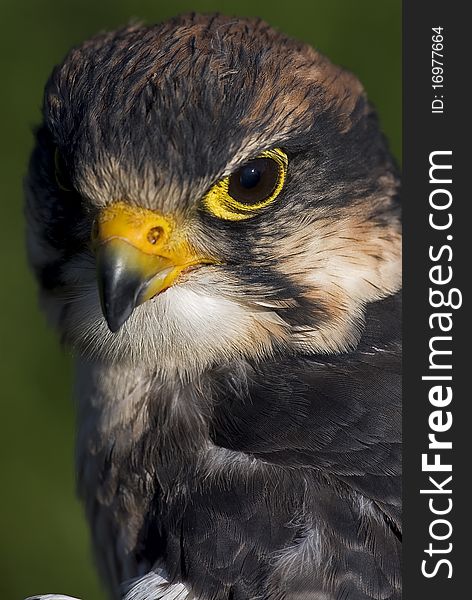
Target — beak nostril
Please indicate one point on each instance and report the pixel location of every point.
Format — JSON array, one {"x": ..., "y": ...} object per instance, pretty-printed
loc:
[{"x": 155, "y": 234}]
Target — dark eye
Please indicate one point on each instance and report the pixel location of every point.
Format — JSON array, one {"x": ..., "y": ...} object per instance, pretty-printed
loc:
[
  {"x": 251, "y": 188},
  {"x": 255, "y": 181},
  {"x": 61, "y": 173}
]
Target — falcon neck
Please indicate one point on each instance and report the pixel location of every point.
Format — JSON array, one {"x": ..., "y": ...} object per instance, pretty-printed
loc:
[{"x": 131, "y": 414}]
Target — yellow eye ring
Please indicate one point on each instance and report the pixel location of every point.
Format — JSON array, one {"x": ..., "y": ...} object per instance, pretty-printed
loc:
[{"x": 251, "y": 188}]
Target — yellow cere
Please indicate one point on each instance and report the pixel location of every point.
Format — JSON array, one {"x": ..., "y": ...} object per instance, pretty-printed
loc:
[
  {"x": 148, "y": 243},
  {"x": 220, "y": 204},
  {"x": 147, "y": 230}
]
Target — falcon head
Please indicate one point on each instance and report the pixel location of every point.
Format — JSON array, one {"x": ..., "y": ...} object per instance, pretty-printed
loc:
[{"x": 208, "y": 190}]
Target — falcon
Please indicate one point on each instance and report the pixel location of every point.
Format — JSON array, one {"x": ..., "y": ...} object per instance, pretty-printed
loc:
[{"x": 214, "y": 222}]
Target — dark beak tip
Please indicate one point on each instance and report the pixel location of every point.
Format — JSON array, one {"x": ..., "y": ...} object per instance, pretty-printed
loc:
[
  {"x": 119, "y": 288},
  {"x": 116, "y": 315},
  {"x": 113, "y": 325}
]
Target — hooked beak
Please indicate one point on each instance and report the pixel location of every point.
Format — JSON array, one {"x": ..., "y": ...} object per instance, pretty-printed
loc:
[{"x": 139, "y": 254}]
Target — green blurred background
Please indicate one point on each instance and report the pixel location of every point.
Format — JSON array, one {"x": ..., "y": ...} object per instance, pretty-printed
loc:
[{"x": 44, "y": 543}]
